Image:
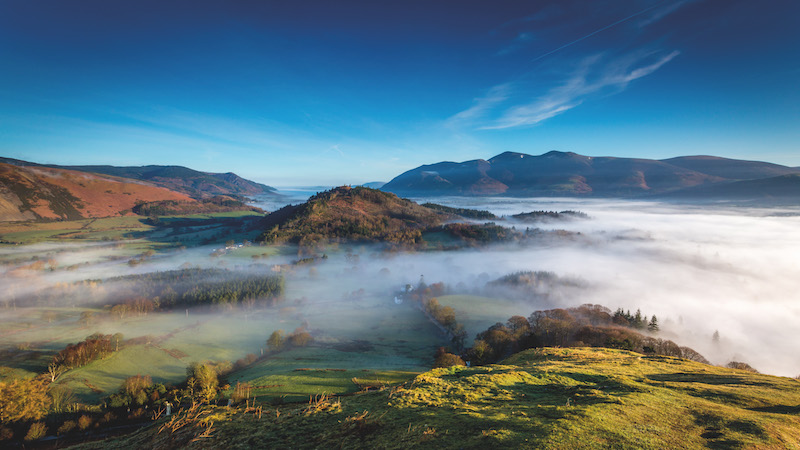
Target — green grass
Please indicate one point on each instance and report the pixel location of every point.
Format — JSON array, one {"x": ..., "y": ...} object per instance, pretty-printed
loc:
[
  {"x": 125, "y": 228},
  {"x": 101, "y": 378},
  {"x": 371, "y": 339},
  {"x": 109, "y": 228},
  {"x": 299, "y": 373},
  {"x": 576, "y": 398}
]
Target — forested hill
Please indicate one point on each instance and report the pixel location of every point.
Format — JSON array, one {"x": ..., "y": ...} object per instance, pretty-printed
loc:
[
  {"x": 196, "y": 184},
  {"x": 356, "y": 214}
]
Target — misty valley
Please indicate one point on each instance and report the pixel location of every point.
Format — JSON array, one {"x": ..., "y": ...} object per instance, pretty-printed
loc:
[{"x": 110, "y": 324}]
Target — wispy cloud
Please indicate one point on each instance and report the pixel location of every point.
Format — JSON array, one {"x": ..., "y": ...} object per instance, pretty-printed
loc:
[
  {"x": 594, "y": 75},
  {"x": 597, "y": 31},
  {"x": 660, "y": 13},
  {"x": 334, "y": 148},
  {"x": 482, "y": 105},
  {"x": 600, "y": 71},
  {"x": 519, "y": 42}
]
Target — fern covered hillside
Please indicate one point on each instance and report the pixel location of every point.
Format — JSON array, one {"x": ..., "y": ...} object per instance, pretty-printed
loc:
[
  {"x": 357, "y": 214},
  {"x": 196, "y": 184},
  {"x": 32, "y": 193},
  {"x": 543, "y": 398}
]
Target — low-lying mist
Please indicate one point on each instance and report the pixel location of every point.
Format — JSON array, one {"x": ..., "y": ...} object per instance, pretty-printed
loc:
[{"x": 698, "y": 269}]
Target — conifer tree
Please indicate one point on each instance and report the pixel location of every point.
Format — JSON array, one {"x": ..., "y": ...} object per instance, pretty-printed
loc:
[
  {"x": 653, "y": 325},
  {"x": 638, "y": 321}
]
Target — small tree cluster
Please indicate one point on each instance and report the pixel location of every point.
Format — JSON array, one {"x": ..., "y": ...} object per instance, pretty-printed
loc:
[
  {"x": 501, "y": 340},
  {"x": 637, "y": 320},
  {"x": 298, "y": 338},
  {"x": 443, "y": 358},
  {"x": 93, "y": 347},
  {"x": 202, "y": 381},
  {"x": 587, "y": 325},
  {"x": 446, "y": 317},
  {"x": 22, "y": 400}
]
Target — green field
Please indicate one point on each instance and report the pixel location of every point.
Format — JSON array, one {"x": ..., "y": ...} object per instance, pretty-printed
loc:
[
  {"x": 479, "y": 313},
  {"x": 189, "y": 230},
  {"x": 368, "y": 338},
  {"x": 299, "y": 373}
]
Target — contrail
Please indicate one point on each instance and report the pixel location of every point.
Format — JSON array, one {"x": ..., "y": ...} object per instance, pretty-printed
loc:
[{"x": 599, "y": 30}]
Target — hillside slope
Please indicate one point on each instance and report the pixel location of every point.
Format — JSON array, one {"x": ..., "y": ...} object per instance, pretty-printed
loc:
[
  {"x": 358, "y": 213},
  {"x": 774, "y": 189},
  {"x": 191, "y": 182},
  {"x": 559, "y": 173},
  {"x": 31, "y": 193},
  {"x": 733, "y": 169},
  {"x": 570, "y": 398}
]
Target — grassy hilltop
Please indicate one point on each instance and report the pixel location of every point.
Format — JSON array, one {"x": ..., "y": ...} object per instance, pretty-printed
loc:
[{"x": 541, "y": 398}]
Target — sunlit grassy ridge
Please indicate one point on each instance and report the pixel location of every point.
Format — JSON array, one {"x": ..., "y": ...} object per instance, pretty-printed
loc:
[{"x": 543, "y": 398}]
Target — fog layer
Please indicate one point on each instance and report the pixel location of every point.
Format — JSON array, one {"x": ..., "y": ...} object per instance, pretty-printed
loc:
[{"x": 698, "y": 269}]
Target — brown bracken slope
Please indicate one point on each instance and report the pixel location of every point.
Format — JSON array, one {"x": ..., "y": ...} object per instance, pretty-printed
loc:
[{"x": 41, "y": 193}]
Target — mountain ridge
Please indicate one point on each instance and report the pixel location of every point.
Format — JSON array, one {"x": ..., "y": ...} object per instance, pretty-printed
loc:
[
  {"x": 558, "y": 173},
  {"x": 194, "y": 183},
  {"x": 32, "y": 191}
]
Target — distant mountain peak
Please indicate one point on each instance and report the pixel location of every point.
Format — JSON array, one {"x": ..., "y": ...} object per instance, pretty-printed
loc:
[{"x": 558, "y": 173}]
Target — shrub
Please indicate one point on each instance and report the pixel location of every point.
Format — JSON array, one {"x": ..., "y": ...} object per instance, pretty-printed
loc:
[
  {"x": 6, "y": 433},
  {"x": 84, "y": 422},
  {"x": 741, "y": 366},
  {"x": 23, "y": 400},
  {"x": 300, "y": 338},
  {"x": 448, "y": 360},
  {"x": 248, "y": 359},
  {"x": 202, "y": 381},
  {"x": 275, "y": 341},
  {"x": 37, "y": 431},
  {"x": 67, "y": 426}
]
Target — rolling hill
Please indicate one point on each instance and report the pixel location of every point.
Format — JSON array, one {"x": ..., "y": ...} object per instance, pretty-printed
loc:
[
  {"x": 355, "y": 214},
  {"x": 569, "y": 174},
  {"x": 550, "y": 398},
  {"x": 196, "y": 184},
  {"x": 36, "y": 193}
]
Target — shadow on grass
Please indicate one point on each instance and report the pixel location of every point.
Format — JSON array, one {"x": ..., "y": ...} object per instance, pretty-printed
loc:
[
  {"x": 28, "y": 360},
  {"x": 597, "y": 389},
  {"x": 716, "y": 427},
  {"x": 778, "y": 409},
  {"x": 170, "y": 229},
  {"x": 682, "y": 377}
]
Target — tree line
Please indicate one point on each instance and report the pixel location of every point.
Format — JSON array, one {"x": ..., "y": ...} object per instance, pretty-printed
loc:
[{"x": 584, "y": 326}]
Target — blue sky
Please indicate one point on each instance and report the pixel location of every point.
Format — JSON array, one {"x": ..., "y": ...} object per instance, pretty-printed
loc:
[{"x": 322, "y": 93}]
